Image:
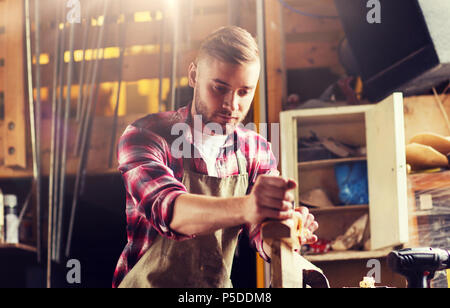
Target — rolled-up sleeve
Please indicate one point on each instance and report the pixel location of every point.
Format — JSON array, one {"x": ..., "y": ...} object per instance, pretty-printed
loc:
[{"x": 144, "y": 159}]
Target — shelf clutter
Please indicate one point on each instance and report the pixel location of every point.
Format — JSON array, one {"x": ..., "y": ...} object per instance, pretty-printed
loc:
[
  {"x": 333, "y": 154},
  {"x": 12, "y": 230},
  {"x": 429, "y": 214}
]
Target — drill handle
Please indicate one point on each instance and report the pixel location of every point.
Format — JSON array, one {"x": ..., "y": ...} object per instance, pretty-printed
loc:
[{"x": 419, "y": 281}]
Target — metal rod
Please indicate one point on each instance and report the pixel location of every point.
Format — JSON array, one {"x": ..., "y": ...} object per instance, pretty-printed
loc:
[
  {"x": 38, "y": 128},
  {"x": 116, "y": 108},
  {"x": 261, "y": 32},
  {"x": 82, "y": 69},
  {"x": 51, "y": 222},
  {"x": 161, "y": 59},
  {"x": 31, "y": 104},
  {"x": 86, "y": 140},
  {"x": 57, "y": 165},
  {"x": 175, "y": 41},
  {"x": 65, "y": 139},
  {"x": 90, "y": 85}
]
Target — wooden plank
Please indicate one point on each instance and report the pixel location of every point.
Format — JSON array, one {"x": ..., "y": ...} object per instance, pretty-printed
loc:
[
  {"x": 311, "y": 54},
  {"x": 2, "y": 49},
  {"x": 209, "y": 3},
  {"x": 318, "y": 7},
  {"x": 135, "y": 68},
  {"x": 98, "y": 159},
  {"x": 18, "y": 246},
  {"x": 422, "y": 114},
  {"x": 339, "y": 209},
  {"x": 139, "y": 33},
  {"x": 328, "y": 115},
  {"x": 286, "y": 272},
  {"x": 386, "y": 162},
  {"x": 348, "y": 255},
  {"x": 275, "y": 66},
  {"x": 288, "y": 143},
  {"x": 15, "y": 127},
  {"x": 328, "y": 162},
  {"x": 295, "y": 23}
]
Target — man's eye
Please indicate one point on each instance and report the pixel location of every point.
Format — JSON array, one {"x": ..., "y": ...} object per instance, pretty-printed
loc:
[
  {"x": 220, "y": 89},
  {"x": 243, "y": 92}
]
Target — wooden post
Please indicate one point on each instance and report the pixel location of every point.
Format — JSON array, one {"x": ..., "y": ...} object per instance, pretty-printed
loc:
[
  {"x": 274, "y": 61},
  {"x": 283, "y": 238},
  {"x": 14, "y": 147}
]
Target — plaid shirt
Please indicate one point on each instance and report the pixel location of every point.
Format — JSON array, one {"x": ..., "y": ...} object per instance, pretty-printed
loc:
[{"x": 152, "y": 175}]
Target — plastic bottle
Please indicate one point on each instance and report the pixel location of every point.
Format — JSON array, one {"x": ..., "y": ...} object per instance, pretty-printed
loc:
[{"x": 12, "y": 219}]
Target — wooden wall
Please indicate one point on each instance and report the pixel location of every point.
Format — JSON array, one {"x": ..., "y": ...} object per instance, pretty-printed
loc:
[
  {"x": 312, "y": 42},
  {"x": 143, "y": 28}
]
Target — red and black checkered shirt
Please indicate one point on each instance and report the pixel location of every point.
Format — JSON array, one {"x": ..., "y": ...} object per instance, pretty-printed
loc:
[{"x": 152, "y": 176}]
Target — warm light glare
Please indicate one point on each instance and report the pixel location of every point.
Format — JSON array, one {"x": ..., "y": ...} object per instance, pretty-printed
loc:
[
  {"x": 44, "y": 59},
  {"x": 142, "y": 17}
]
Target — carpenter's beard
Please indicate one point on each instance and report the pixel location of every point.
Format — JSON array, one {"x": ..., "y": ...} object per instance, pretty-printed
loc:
[{"x": 207, "y": 117}]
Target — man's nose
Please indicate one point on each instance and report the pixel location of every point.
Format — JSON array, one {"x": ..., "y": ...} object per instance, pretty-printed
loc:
[{"x": 231, "y": 101}]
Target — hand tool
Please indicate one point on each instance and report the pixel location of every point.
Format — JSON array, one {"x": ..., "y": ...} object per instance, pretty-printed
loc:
[
  {"x": 284, "y": 239},
  {"x": 419, "y": 265}
]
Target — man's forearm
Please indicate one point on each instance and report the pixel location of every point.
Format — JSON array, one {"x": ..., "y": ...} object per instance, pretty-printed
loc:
[{"x": 199, "y": 215}]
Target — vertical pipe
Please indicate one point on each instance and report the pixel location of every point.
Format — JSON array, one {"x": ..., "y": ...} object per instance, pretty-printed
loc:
[
  {"x": 116, "y": 108},
  {"x": 261, "y": 34},
  {"x": 175, "y": 42},
  {"x": 161, "y": 58},
  {"x": 51, "y": 185},
  {"x": 85, "y": 138},
  {"x": 90, "y": 84},
  {"x": 59, "y": 110},
  {"x": 31, "y": 104},
  {"x": 38, "y": 128},
  {"x": 82, "y": 69},
  {"x": 65, "y": 139}
]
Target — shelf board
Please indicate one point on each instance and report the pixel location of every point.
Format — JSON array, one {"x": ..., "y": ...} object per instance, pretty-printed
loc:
[
  {"x": 328, "y": 162},
  {"x": 340, "y": 208},
  {"x": 18, "y": 246},
  {"x": 348, "y": 255}
]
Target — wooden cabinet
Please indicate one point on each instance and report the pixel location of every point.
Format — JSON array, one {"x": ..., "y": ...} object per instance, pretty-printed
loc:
[{"x": 379, "y": 128}]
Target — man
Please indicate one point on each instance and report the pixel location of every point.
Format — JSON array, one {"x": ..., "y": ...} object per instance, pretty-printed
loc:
[{"x": 188, "y": 202}]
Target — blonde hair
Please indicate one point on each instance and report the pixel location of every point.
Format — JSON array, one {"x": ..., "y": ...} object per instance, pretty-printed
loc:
[{"x": 230, "y": 44}]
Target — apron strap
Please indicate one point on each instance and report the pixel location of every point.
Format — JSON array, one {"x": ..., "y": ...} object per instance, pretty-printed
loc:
[{"x": 241, "y": 161}]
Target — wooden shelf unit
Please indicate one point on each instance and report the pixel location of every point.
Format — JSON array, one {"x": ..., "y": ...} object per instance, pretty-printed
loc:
[
  {"x": 328, "y": 162},
  {"x": 379, "y": 128},
  {"x": 339, "y": 209}
]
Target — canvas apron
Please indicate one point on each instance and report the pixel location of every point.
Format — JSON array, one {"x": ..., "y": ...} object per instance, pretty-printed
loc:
[{"x": 202, "y": 262}]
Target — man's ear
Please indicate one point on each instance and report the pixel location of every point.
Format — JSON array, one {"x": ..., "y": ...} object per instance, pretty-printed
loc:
[{"x": 192, "y": 76}]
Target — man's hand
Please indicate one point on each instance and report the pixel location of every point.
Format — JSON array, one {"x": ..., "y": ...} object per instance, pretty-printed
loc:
[
  {"x": 310, "y": 225},
  {"x": 270, "y": 198}
]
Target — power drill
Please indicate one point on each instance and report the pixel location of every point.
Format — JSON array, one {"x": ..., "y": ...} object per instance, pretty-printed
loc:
[{"x": 419, "y": 265}]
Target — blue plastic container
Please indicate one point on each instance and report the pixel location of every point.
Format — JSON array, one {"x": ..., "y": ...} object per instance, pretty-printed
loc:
[{"x": 352, "y": 182}]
